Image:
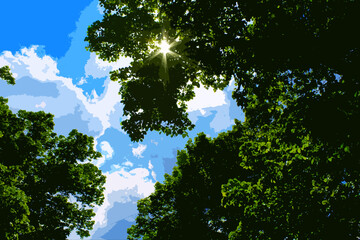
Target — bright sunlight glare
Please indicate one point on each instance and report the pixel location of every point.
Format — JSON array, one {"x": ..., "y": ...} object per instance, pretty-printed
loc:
[{"x": 164, "y": 47}]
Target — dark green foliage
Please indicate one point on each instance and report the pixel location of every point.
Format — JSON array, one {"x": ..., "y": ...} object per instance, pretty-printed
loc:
[
  {"x": 258, "y": 183},
  {"x": 48, "y": 187},
  {"x": 310, "y": 45},
  {"x": 292, "y": 170},
  {"x": 152, "y": 105},
  {"x": 188, "y": 204},
  {"x": 154, "y": 90},
  {"x": 300, "y": 188}
]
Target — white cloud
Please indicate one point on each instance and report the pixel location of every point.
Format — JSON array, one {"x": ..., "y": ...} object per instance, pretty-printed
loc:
[
  {"x": 232, "y": 85},
  {"x": 82, "y": 81},
  {"x": 153, "y": 174},
  {"x": 3, "y": 62},
  {"x": 97, "y": 111},
  {"x": 120, "y": 187},
  {"x": 100, "y": 161},
  {"x": 150, "y": 165},
  {"x": 98, "y": 68},
  {"x": 28, "y": 63},
  {"x": 95, "y": 68},
  {"x": 106, "y": 105},
  {"x": 116, "y": 166},
  {"x": 137, "y": 152},
  {"x": 106, "y": 149},
  {"x": 128, "y": 164},
  {"x": 41, "y": 105},
  {"x": 205, "y": 98}
]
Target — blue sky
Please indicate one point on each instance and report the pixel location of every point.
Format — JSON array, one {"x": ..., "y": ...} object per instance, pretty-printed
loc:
[{"x": 43, "y": 43}]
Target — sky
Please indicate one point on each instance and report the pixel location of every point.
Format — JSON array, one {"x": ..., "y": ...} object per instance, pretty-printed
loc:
[{"x": 43, "y": 44}]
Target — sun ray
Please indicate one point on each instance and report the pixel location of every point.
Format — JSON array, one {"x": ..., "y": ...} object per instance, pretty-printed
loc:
[{"x": 164, "y": 47}]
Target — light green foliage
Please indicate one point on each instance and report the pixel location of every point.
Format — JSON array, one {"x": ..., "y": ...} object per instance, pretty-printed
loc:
[
  {"x": 14, "y": 209},
  {"x": 294, "y": 190},
  {"x": 296, "y": 156},
  {"x": 6, "y": 75},
  {"x": 48, "y": 186},
  {"x": 254, "y": 184}
]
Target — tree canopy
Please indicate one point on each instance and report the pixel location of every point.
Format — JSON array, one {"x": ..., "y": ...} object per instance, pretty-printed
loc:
[
  {"x": 292, "y": 170},
  {"x": 267, "y": 47},
  {"x": 255, "y": 184},
  {"x": 48, "y": 185}
]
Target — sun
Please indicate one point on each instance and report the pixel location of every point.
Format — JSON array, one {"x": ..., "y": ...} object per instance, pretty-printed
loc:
[
  {"x": 164, "y": 47},
  {"x": 165, "y": 51}
]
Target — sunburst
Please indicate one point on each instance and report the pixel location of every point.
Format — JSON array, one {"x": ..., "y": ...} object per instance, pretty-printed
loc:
[{"x": 164, "y": 47}]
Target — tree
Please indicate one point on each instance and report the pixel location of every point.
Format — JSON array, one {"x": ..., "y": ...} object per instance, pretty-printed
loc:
[
  {"x": 295, "y": 67},
  {"x": 188, "y": 204},
  {"x": 48, "y": 186},
  {"x": 255, "y": 184},
  {"x": 308, "y": 44},
  {"x": 300, "y": 187}
]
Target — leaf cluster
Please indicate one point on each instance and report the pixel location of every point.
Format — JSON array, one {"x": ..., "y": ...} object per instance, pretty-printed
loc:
[
  {"x": 48, "y": 186},
  {"x": 255, "y": 184},
  {"x": 6, "y": 75}
]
